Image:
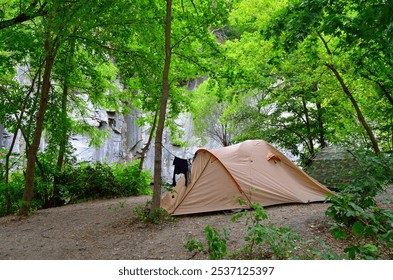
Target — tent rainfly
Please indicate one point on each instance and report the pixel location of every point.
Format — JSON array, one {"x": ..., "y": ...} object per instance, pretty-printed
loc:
[{"x": 251, "y": 171}]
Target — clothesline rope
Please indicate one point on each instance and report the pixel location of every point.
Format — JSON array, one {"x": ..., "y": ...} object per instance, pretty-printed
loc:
[{"x": 162, "y": 145}]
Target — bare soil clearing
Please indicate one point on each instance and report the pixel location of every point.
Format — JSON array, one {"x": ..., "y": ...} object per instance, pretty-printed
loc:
[{"x": 105, "y": 229}]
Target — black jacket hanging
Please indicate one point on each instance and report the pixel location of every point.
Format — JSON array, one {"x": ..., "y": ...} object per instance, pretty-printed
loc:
[{"x": 181, "y": 167}]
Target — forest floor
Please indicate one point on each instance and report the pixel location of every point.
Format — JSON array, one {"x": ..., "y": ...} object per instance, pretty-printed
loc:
[{"x": 105, "y": 229}]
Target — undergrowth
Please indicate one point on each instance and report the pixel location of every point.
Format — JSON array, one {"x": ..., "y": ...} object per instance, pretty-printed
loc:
[
  {"x": 356, "y": 217},
  {"x": 75, "y": 183},
  {"x": 145, "y": 214}
]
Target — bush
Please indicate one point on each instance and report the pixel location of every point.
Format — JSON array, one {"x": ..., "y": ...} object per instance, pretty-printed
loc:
[
  {"x": 100, "y": 180},
  {"x": 216, "y": 242},
  {"x": 356, "y": 213},
  {"x": 145, "y": 215},
  {"x": 131, "y": 181},
  {"x": 265, "y": 241},
  {"x": 15, "y": 190},
  {"x": 193, "y": 245},
  {"x": 262, "y": 241},
  {"x": 76, "y": 183}
]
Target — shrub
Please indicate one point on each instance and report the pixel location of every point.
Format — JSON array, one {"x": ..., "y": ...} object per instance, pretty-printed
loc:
[
  {"x": 216, "y": 242},
  {"x": 356, "y": 213},
  {"x": 15, "y": 190},
  {"x": 131, "y": 180},
  {"x": 265, "y": 241},
  {"x": 193, "y": 245},
  {"x": 145, "y": 215},
  {"x": 100, "y": 180},
  {"x": 262, "y": 241},
  {"x": 76, "y": 183}
]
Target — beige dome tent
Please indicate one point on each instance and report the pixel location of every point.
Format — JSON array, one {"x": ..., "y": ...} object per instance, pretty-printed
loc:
[{"x": 251, "y": 171}]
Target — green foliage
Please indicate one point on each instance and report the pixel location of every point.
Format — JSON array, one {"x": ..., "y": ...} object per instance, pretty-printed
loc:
[
  {"x": 80, "y": 183},
  {"x": 262, "y": 241},
  {"x": 317, "y": 249},
  {"x": 131, "y": 179},
  {"x": 208, "y": 115},
  {"x": 145, "y": 214},
  {"x": 15, "y": 190},
  {"x": 193, "y": 245},
  {"x": 356, "y": 212},
  {"x": 265, "y": 241},
  {"x": 100, "y": 180},
  {"x": 216, "y": 242}
]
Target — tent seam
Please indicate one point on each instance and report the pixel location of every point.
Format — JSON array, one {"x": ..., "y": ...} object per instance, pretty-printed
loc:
[{"x": 229, "y": 173}]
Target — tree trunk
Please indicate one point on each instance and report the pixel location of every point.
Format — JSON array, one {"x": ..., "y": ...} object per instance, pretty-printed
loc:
[
  {"x": 18, "y": 127},
  {"x": 321, "y": 131},
  {"x": 147, "y": 145},
  {"x": 381, "y": 86},
  {"x": 7, "y": 171},
  {"x": 348, "y": 93},
  {"x": 162, "y": 114},
  {"x": 308, "y": 127},
  {"x": 359, "y": 113},
  {"x": 50, "y": 51},
  {"x": 56, "y": 201}
]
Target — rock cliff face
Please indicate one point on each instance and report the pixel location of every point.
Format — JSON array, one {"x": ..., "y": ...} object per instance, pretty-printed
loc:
[{"x": 125, "y": 141}]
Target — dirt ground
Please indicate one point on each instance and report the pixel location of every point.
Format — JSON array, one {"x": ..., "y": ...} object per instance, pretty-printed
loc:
[{"x": 104, "y": 229}]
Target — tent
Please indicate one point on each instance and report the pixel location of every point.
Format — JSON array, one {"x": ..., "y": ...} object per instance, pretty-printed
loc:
[
  {"x": 251, "y": 171},
  {"x": 332, "y": 166}
]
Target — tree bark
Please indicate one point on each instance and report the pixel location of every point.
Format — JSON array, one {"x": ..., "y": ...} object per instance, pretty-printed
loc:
[
  {"x": 18, "y": 127},
  {"x": 355, "y": 105},
  {"x": 29, "y": 15},
  {"x": 56, "y": 201},
  {"x": 308, "y": 127},
  {"x": 147, "y": 145},
  {"x": 348, "y": 93},
  {"x": 156, "y": 201},
  {"x": 50, "y": 47},
  {"x": 321, "y": 131}
]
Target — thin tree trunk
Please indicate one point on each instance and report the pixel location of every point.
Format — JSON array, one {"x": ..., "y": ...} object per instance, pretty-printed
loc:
[
  {"x": 7, "y": 171},
  {"x": 56, "y": 201},
  {"x": 308, "y": 127},
  {"x": 321, "y": 131},
  {"x": 156, "y": 201},
  {"x": 50, "y": 51},
  {"x": 348, "y": 93},
  {"x": 382, "y": 87},
  {"x": 147, "y": 145},
  {"x": 359, "y": 113},
  {"x": 18, "y": 127}
]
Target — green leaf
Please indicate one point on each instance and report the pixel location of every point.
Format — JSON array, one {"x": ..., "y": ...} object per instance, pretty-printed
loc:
[
  {"x": 352, "y": 251},
  {"x": 371, "y": 249},
  {"x": 338, "y": 233},
  {"x": 358, "y": 229}
]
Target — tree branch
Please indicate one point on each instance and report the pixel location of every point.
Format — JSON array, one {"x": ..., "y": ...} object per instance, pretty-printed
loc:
[{"x": 22, "y": 17}]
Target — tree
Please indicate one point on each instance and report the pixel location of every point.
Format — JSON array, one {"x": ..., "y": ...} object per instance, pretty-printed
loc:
[
  {"x": 191, "y": 30},
  {"x": 163, "y": 105},
  {"x": 51, "y": 46},
  {"x": 280, "y": 88},
  {"x": 31, "y": 12},
  {"x": 76, "y": 50},
  {"x": 208, "y": 115},
  {"x": 68, "y": 35},
  {"x": 187, "y": 51},
  {"x": 338, "y": 22}
]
